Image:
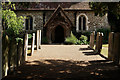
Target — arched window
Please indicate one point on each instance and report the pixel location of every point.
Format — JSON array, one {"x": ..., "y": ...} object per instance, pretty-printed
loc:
[
  {"x": 79, "y": 23},
  {"x": 82, "y": 21},
  {"x": 29, "y": 23}
]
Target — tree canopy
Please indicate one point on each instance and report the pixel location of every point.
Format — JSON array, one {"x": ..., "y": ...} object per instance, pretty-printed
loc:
[
  {"x": 12, "y": 25},
  {"x": 113, "y": 13}
]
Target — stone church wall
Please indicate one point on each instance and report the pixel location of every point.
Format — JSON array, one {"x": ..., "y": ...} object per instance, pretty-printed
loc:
[
  {"x": 93, "y": 21},
  {"x": 36, "y": 15}
]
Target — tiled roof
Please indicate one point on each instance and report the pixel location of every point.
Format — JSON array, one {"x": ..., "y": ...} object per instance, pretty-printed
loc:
[{"x": 54, "y": 5}]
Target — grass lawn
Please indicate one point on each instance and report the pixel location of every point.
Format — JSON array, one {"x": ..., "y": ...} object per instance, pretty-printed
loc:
[
  {"x": 105, "y": 50},
  {"x": 105, "y": 45},
  {"x": 28, "y": 51}
]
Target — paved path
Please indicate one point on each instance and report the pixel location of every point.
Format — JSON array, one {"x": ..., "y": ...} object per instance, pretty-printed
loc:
[
  {"x": 65, "y": 52},
  {"x": 66, "y": 62}
]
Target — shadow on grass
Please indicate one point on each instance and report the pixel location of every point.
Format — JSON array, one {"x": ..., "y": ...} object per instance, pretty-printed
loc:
[
  {"x": 66, "y": 70},
  {"x": 93, "y": 53}
]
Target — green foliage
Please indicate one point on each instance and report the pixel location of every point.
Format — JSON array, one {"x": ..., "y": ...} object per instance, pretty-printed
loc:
[
  {"x": 14, "y": 24},
  {"x": 83, "y": 39},
  {"x": 105, "y": 32},
  {"x": 73, "y": 40},
  {"x": 17, "y": 39},
  {"x": 101, "y": 8},
  {"x": 29, "y": 39},
  {"x": 44, "y": 40},
  {"x": 29, "y": 36},
  {"x": 86, "y": 33},
  {"x": 113, "y": 12}
]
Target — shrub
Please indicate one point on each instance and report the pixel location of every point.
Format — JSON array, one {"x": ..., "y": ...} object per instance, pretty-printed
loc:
[
  {"x": 29, "y": 36},
  {"x": 29, "y": 39},
  {"x": 17, "y": 39},
  {"x": 83, "y": 39},
  {"x": 11, "y": 23},
  {"x": 44, "y": 40},
  {"x": 72, "y": 39},
  {"x": 87, "y": 34}
]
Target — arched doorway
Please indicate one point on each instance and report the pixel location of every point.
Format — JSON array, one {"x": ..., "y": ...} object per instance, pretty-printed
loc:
[{"x": 59, "y": 34}]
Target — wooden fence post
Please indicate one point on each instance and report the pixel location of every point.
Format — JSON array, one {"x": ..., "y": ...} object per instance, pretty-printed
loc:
[
  {"x": 116, "y": 48},
  {"x": 12, "y": 55},
  {"x": 19, "y": 54},
  {"x": 97, "y": 42},
  {"x": 100, "y": 43},
  {"x": 98, "y": 46},
  {"x": 110, "y": 45},
  {"x": 37, "y": 40},
  {"x": 33, "y": 43},
  {"x": 92, "y": 36},
  {"x": 90, "y": 40},
  {"x": 5, "y": 50},
  {"x": 25, "y": 45},
  {"x": 17, "y": 62}
]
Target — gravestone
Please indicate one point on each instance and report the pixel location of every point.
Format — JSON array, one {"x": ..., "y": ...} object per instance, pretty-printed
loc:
[
  {"x": 116, "y": 48},
  {"x": 19, "y": 53},
  {"x": 37, "y": 40},
  {"x": 98, "y": 46},
  {"x": 110, "y": 45},
  {"x": 92, "y": 36},
  {"x": 97, "y": 42},
  {"x": 5, "y": 50},
  {"x": 25, "y": 46},
  {"x": 33, "y": 43}
]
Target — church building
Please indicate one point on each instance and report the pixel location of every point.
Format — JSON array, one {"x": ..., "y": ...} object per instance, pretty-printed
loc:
[{"x": 57, "y": 20}]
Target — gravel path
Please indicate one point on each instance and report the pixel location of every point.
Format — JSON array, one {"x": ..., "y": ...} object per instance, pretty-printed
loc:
[
  {"x": 66, "y": 62},
  {"x": 65, "y": 52}
]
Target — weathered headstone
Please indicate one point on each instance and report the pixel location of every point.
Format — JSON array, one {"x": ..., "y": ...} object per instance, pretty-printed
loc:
[
  {"x": 25, "y": 46},
  {"x": 116, "y": 48},
  {"x": 92, "y": 36},
  {"x": 5, "y": 50},
  {"x": 110, "y": 45},
  {"x": 33, "y": 43},
  {"x": 19, "y": 53},
  {"x": 97, "y": 42},
  {"x": 100, "y": 42},
  {"x": 37, "y": 39},
  {"x": 98, "y": 46},
  {"x": 12, "y": 57}
]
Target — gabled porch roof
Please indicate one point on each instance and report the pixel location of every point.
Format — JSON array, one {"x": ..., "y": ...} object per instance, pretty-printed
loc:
[{"x": 57, "y": 11}]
